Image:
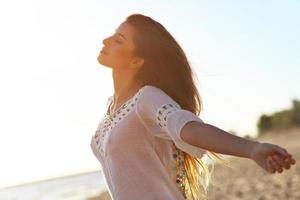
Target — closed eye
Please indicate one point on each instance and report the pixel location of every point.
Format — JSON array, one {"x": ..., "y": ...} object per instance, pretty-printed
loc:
[{"x": 118, "y": 41}]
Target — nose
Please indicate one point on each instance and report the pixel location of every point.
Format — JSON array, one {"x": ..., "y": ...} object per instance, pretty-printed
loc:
[{"x": 105, "y": 41}]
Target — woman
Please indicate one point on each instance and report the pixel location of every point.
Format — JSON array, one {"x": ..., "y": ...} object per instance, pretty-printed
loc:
[{"x": 151, "y": 140}]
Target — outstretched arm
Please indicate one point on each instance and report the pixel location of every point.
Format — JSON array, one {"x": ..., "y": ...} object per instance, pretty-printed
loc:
[
  {"x": 217, "y": 140},
  {"x": 269, "y": 156}
]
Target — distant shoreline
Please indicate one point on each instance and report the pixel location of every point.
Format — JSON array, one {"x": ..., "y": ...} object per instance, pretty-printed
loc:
[{"x": 49, "y": 179}]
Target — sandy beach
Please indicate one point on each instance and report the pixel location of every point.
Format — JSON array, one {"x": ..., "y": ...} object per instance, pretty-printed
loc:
[{"x": 249, "y": 181}]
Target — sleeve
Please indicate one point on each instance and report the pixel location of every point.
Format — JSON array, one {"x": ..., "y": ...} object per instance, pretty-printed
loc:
[{"x": 164, "y": 118}]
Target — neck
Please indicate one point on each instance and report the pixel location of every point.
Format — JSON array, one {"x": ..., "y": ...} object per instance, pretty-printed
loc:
[{"x": 124, "y": 86}]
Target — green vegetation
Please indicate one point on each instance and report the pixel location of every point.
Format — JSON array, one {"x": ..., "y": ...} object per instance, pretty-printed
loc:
[{"x": 281, "y": 120}]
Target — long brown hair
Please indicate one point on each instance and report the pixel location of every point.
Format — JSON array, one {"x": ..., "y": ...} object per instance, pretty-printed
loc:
[{"x": 166, "y": 67}]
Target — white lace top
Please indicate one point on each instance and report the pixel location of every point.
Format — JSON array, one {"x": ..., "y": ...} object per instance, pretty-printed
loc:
[{"x": 138, "y": 147}]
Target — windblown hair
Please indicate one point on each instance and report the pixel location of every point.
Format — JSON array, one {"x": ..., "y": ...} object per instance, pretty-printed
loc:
[{"x": 166, "y": 67}]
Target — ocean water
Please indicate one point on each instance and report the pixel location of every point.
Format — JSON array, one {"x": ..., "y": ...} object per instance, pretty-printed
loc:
[{"x": 76, "y": 187}]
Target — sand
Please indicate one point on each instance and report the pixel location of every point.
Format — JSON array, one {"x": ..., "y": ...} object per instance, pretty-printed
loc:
[{"x": 251, "y": 182}]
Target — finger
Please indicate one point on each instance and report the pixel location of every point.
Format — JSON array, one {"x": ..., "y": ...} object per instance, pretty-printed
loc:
[
  {"x": 270, "y": 167},
  {"x": 287, "y": 163},
  {"x": 274, "y": 165},
  {"x": 277, "y": 164},
  {"x": 293, "y": 161},
  {"x": 286, "y": 160},
  {"x": 281, "y": 161},
  {"x": 290, "y": 160}
]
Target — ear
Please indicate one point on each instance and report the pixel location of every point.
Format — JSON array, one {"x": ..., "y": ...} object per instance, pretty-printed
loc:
[{"x": 136, "y": 62}]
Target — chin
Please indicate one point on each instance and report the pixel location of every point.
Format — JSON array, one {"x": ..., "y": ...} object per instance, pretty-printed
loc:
[{"x": 101, "y": 60}]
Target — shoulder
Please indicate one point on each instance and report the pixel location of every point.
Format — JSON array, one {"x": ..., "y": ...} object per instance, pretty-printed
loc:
[
  {"x": 149, "y": 90},
  {"x": 152, "y": 95},
  {"x": 152, "y": 100}
]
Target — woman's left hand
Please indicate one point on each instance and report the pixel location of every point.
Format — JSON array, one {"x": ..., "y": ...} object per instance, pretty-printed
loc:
[{"x": 271, "y": 157}]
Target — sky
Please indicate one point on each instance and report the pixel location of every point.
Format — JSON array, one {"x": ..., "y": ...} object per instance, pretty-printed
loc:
[{"x": 53, "y": 91}]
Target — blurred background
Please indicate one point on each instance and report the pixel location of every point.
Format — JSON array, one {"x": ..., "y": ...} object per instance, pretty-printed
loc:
[{"x": 246, "y": 55}]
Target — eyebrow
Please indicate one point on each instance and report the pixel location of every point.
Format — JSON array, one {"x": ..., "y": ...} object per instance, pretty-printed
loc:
[{"x": 121, "y": 35}]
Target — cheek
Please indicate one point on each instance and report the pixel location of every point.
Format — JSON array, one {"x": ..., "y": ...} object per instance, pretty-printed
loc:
[
  {"x": 119, "y": 52},
  {"x": 119, "y": 55}
]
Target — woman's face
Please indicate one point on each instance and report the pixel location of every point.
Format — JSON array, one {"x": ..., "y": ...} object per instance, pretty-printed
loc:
[{"x": 117, "y": 52}]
